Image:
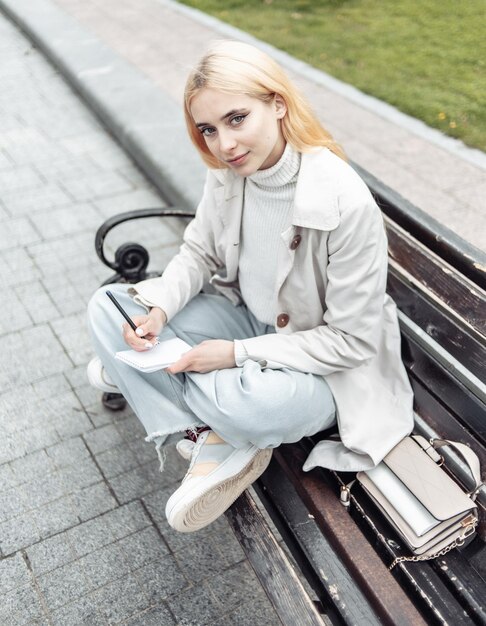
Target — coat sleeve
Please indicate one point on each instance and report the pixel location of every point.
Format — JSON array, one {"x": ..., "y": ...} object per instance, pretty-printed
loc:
[
  {"x": 354, "y": 300},
  {"x": 193, "y": 266}
]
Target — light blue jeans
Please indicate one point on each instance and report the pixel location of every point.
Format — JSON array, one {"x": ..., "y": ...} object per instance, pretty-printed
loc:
[{"x": 265, "y": 407}]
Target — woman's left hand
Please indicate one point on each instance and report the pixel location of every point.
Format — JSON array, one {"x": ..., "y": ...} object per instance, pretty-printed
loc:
[{"x": 214, "y": 354}]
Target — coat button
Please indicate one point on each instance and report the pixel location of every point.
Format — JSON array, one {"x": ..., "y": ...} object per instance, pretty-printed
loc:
[
  {"x": 295, "y": 242},
  {"x": 282, "y": 320}
]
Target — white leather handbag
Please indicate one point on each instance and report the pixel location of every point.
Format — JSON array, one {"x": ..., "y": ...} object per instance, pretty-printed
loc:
[{"x": 430, "y": 511}]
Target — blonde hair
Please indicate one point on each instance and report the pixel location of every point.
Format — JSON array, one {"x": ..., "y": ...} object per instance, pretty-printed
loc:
[{"x": 238, "y": 68}]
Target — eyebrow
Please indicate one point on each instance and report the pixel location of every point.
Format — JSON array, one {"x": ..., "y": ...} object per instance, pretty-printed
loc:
[{"x": 225, "y": 116}]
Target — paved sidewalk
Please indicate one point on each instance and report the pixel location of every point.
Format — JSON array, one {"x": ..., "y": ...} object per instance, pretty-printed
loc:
[
  {"x": 83, "y": 538},
  {"x": 163, "y": 39}
]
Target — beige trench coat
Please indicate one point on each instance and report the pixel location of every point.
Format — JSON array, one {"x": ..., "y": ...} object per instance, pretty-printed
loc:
[{"x": 334, "y": 318}]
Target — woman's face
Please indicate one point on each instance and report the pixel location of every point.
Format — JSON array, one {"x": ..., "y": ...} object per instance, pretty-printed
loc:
[{"x": 241, "y": 131}]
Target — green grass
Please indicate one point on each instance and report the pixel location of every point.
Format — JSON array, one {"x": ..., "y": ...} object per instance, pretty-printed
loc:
[{"x": 426, "y": 57}]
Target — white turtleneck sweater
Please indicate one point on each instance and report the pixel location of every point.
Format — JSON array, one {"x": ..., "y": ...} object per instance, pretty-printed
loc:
[{"x": 267, "y": 210}]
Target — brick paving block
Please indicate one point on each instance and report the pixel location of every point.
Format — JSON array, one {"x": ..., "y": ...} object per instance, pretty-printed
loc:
[
  {"x": 52, "y": 387},
  {"x": 56, "y": 516},
  {"x": 67, "y": 167},
  {"x": 105, "y": 565},
  {"x": 259, "y": 612},
  {"x": 100, "y": 415},
  {"x": 37, "y": 302},
  {"x": 73, "y": 336},
  {"x": 39, "y": 437},
  {"x": 23, "y": 201},
  {"x": 90, "y": 536},
  {"x": 7, "y": 477},
  {"x": 12, "y": 446},
  {"x": 144, "y": 451},
  {"x": 131, "y": 429},
  {"x": 18, "y": 179},
  {"x": 46, "y": 357},
  {"x": 195, "y": 607},
  {"x": 156, "y": 616},
  {"x": 127, "y": 519},
  {"x": 14, "y": 315},
  {"x": 143, "y": 547},
  {"x": 88, "y": 396},
  {"x": 70, "y": 452},
  {"x": 49, "y": 554},
  {"x": 79, "y": 476},
  {"x": 81, "y": 612},
  {"x": 31, "y": 466},
  {"x": 18, "y": 232},
  {"x": 45, "y": 489},
  {"x": 201, "y": 560},
  {"x": 120, "y": 599},
  {"x": 74, "y": 424},
  {"x": 18, "y": 532},
  {"x": 13, "y": 502},
  {"x": 6, "y": 162},
  {"x": 116, "y": 461},
  {"x": 13, "y": 573},
  {"x": 104, "y": 438},
  {"x": 21, "y": 606},
  {"x": 93, "y": 501},
  {"x": 53, "y": 223},
  {"x": 17, "y": 267},
  {"x": 93, "y": 186},
  {"x": 65, "y": 584},
  {"x": 76, "y": 376},
  {"x": 162, "y": 578},
  {"x": 137, "y": 482},
  {"x": 236, "y": 586},
  {"x": 137, "y": 199},
  {"x": 90, "y": 143}
]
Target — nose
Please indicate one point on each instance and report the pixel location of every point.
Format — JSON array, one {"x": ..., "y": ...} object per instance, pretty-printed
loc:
[{"x": 227, "y": 141}]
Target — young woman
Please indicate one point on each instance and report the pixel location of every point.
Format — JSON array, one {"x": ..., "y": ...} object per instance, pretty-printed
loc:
[{"x": 300, "y": 333}]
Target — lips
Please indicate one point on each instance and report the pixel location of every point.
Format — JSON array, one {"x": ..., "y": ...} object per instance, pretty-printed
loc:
[{"x": 238, "y": 160}]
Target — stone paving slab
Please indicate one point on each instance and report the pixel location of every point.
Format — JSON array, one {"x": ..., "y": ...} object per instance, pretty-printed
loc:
[{"x": 83, "y": 538}]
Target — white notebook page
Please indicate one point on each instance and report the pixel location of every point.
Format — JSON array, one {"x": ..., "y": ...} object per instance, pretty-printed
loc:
[{"x": 159, "y": 357}]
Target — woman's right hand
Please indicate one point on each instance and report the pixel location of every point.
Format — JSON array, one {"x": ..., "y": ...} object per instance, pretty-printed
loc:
[{"x": 148, "y": 328}]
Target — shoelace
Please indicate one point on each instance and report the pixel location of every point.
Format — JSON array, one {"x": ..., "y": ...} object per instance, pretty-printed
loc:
[{"x": 193, "y": 433}]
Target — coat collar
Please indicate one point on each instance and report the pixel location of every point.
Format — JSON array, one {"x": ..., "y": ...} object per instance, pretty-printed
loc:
[{"x": 315, "y": 204}]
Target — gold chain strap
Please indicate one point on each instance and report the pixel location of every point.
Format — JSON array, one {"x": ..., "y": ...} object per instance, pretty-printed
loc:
[{"x": 426, "y": 557}]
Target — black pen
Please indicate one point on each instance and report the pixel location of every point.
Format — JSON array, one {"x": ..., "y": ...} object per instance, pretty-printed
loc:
[{"x": 122, "y": 311}]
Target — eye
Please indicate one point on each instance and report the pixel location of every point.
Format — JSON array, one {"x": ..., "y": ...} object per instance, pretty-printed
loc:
[
  {"x": 237, "y": 120},
  {"x": 207, "y": 131}
]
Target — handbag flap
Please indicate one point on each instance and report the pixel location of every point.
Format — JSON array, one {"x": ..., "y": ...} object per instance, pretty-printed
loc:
[{"x": 427, "y": 481}]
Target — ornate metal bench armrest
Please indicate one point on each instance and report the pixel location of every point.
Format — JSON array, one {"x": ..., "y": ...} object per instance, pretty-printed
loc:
[{"x": 131, "y": 259}]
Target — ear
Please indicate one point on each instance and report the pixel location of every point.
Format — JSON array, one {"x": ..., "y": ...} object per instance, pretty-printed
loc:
[{"x": 280, "y": 106}]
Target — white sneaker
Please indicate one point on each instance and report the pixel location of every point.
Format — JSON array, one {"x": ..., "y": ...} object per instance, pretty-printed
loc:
[
  {"x": 98, "y": 377},
  {"x": 185, "y": 447},
  {"x": 217, "y": 475}
]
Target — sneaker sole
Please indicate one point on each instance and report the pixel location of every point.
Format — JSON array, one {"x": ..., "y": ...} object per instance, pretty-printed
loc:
[{"x": 213, "y": 502}]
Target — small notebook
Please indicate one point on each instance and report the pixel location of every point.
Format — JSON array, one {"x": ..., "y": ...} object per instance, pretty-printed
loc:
[
  {"x": 158, "y": 358},
  {"x": 407, "y": 505}
]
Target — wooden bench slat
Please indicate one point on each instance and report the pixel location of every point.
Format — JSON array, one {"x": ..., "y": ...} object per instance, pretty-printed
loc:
[
  {"x": 387, "y": 598},
  {"x": 333, "y": 584},
  {"x": 271, "y": 565},
  {"x": 432, "y": 319},
  {"x": 464, "y": 582},
  {"x": 465, "y": 300},
  {"x": 468, "y": 409}
]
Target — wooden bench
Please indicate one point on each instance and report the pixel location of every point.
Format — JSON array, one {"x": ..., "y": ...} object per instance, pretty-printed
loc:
[{"x": 438, "y": 282}]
